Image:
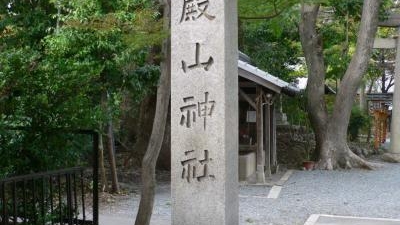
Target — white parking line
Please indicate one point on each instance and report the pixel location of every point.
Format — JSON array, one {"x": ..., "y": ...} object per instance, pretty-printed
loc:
[
  {"x": 274, "y": 192},
  {"x": 312, "y": 219},
  {"x": 285, "y": 178},
  {"x": 287, "y": 175},
  {"x": 320, "y": 219},
  {"x": 253, "y": 196}
]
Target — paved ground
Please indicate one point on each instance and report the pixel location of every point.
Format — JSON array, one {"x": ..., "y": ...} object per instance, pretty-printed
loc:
[
  {"x": 346, "y": 192},
  {"x": 343, "y": 220}
]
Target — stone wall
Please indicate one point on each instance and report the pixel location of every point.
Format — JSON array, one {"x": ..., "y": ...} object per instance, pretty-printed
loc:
[{"x": 295, "y": 144}]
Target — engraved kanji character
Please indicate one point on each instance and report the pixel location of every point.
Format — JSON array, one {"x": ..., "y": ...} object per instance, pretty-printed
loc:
[
  {"x": 206, "y": 109},
  {"x": 204, "y": 162},
  {"x": 189, "y": 168},
  {"x": 193, "y": 9},
  {"x": 188, "y": 112},
  {"x": 198, "y": 64}
]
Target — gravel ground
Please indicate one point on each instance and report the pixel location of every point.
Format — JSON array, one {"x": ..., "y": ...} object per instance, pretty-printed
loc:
[{"x": 345, "y": 192}]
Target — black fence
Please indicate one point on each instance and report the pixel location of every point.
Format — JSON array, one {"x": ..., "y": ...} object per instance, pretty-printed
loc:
[{"x": 67, "y": 196}]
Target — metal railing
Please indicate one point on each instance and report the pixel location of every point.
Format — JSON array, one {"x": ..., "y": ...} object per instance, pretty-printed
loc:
[{"x": 57, "y": 197}]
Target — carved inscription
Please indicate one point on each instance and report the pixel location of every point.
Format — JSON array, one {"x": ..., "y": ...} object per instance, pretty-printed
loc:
[
  {"x": 194, "y": 9},
  {"x": 188, "y": 112},
  {"x": 196, "y": 169},
  {"x": 192, "y": 110},
  {"x": 195, "y": 164},
  {"x": 205, "y": 65}
]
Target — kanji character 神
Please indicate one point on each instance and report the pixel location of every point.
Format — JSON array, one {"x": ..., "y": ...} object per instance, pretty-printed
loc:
[{"x": 204, "y": 109}]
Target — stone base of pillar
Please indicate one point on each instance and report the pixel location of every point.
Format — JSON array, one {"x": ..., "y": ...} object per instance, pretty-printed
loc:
[
  {"x": 391, "y": 157},
  {"x": 260, "y": 175}
]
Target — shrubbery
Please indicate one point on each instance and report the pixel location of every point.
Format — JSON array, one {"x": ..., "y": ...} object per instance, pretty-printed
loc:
[{"x": 358, "y": 120}]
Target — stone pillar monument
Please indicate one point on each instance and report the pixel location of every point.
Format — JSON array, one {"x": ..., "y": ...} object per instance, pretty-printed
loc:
[
  {"x": 204, "y": 112},
  {"x": 395, "y": 127},
  {"x": 394, "y": 152}
]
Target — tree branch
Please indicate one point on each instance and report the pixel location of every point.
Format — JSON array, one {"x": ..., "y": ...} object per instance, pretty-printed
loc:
[
  {"x": 357, "y": 67},
  {"x": 267, "y": 17},
  {"x": 391, "y": 83}
]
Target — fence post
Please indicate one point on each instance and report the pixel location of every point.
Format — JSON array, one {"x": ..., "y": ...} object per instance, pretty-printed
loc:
[
  {"x": 4, "y": 203},
  {"x": 95, "y": 178}
]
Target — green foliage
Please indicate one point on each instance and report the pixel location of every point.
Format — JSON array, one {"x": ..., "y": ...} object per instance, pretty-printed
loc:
[
  {"x": 263, "y": 8},
  {"x": 57, "y": 58},
  {"x": 358, "y": 121},
  {"x": 273, "y": 45},
  {"x": 296, "y": 110},
  {"x": 339, "y": 27}
]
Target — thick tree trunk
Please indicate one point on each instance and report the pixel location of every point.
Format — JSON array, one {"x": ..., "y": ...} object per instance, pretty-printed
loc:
[
  {"x": 149, "y": 161},
  {"x": 312, "y": 47},
  {"x": 335, "y": 153},
  {"x": 331, "y": 131}
]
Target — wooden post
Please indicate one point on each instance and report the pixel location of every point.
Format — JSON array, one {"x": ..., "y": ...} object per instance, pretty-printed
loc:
[
  {"x": 260, "y": 132},
  {"x": 274, "y": 157},
  {"x": 376, "y": 130},
  {"x": 384, "y": 125},
  {"x": 267, "y": 139}
]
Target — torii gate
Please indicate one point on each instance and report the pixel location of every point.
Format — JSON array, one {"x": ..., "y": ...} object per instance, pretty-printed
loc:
[{"x": 391, "y": 43}]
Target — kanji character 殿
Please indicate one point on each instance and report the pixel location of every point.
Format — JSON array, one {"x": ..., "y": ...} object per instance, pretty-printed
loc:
[{"x": 194, "y": 9}]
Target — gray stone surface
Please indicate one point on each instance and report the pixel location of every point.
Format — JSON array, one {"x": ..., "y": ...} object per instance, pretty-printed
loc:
[
  {"x": 391, "y": 157},
  {"x": 385, "y": 43},
  {"x": 204, "y": 106},
  {"x": 395, "y": 126}
]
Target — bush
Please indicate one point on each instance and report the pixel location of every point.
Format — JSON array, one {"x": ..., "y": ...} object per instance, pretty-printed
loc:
[{"x": 358, "y": 120}]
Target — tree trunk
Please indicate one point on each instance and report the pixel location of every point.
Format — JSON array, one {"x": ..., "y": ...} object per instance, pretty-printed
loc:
[
  {"x": 331, "y": 130},
  {"x": 313, "y": 52},
  {"x": 103, "y": 177},
  {"x": 111, "y": 157},
  {"x": 363, "y": 99},
  {"x": 109, "y": 130},
  {"x": 143, "y": 128},
  {"x": 153, "y": 150}
]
